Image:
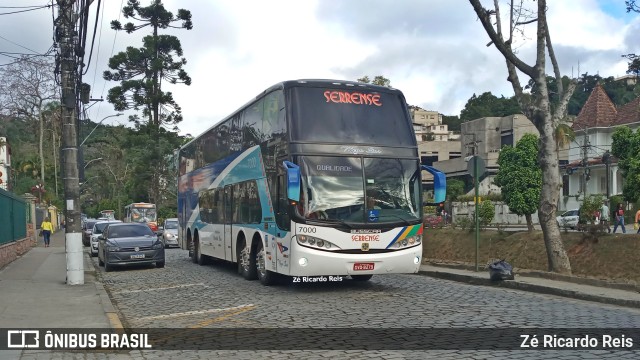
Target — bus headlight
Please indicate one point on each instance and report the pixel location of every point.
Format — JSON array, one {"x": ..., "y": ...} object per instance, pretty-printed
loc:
[
  {"x": 313, "y": 242},
  {"x": 407, "y": 242}
]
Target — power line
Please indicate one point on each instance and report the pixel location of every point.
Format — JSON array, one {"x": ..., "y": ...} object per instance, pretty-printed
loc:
[{"x": 21, "y": 11}]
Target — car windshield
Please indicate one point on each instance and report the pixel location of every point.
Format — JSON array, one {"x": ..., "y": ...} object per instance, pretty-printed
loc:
[
  {"x": 171, "y": 225},
  {"x": 360, "y": 190},
  {"x": 99, "y": 227},
  {"x": 129, "y": 231},
  {"x": 90, "y": 224}
]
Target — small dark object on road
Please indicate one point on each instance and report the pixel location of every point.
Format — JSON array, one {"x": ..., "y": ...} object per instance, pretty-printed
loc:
[{"x": 500, "y": 270}]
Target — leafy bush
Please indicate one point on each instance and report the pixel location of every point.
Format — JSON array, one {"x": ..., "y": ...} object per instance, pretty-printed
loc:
[{"x": 486, "y": 212}]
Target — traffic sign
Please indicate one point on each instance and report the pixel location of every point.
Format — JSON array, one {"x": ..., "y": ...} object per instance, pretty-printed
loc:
[{"x": 481, "y": 166}]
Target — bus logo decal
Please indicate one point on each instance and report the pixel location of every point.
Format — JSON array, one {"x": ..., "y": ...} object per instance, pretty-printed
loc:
[
  {"x": 365, "y": 247},
  {"x": 346, "y": 97},
  {"x": 282, "y": 248},
  {"x": 356, "y": 150}
]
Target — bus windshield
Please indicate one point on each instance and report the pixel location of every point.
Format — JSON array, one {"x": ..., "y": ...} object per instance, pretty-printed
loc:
[
  {"x": 350, "y": 117},
  {"x": 360, "y": 190},
  {"x": 143, "y": 215}
]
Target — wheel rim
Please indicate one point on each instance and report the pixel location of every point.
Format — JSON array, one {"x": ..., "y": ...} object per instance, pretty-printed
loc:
[
  {"x": 244, "y": 258},
  {"x": 260, "y": 263}
]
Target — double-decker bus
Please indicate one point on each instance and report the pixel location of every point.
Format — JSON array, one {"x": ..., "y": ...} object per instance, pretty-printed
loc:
[
  {"x": 314, "y": 179},
  {"x": 142, "y": 213}
]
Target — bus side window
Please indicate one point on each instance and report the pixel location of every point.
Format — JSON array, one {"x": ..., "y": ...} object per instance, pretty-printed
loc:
[{"x": 282, "y": 205}]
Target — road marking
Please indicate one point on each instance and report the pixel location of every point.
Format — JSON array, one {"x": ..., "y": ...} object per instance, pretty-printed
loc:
[
  {"x": 240, "y": 310},
  {"x": 195, "y": 312},
  {"x": 156, "y": 289}
]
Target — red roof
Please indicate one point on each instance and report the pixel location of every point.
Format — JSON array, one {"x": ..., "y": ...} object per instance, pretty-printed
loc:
[
  {"x": 629, "y": 113},
  {"x": 598, "y": 111}
]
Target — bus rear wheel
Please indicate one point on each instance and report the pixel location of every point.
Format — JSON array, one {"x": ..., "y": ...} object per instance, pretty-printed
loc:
[
  {"x": 265, "y": 276},
  {"x": 246, "y": 262},
  {"x": 361, "y": 277},
  {"x": 198, "y": 258}
]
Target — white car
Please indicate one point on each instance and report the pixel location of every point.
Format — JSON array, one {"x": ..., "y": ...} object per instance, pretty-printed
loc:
[
  {"x": 98, "y": 228},
  {"x": 568, "y": 219},
  {"x": 170, "y": 233}
]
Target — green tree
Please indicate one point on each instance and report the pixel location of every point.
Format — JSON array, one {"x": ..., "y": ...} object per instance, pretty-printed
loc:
[
  {"x": 452, "y": 122},
  {"x": 487, "y": 105},
  {"x": 378, "y": 80},
  {"x": 520, "y": 178},
  {"x": 455, "y": 188},
  {"x": 624, "y": 146},
  {"x": 486, "y": 212},
  {"x": 140, "y": 72},
  {"x": 536, "y": 105}
]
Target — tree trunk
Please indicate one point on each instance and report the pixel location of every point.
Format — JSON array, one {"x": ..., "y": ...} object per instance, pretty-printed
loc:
[
  {"x": 558, "y": 260},
  {"x": 529, "y": 222}
]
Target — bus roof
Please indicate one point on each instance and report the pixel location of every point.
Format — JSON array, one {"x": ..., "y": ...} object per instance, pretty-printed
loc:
[{"x": 287, "y": 84}]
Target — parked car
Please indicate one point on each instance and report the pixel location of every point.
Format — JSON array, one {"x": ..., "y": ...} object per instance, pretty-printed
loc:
[
  {"x": 432, "y": 221},
  {"x": 87, "y": 229},
  {"x": 129, "y": 243},
  {"x": 98, "y": 228},
  {"x": 569, "y": 219},
  {"x": 170, "y": 233}
]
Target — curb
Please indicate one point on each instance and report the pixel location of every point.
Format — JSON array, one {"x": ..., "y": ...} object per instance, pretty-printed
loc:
[
  {"x": 514, "y": 284},
  {"x": 107, "y": 306},
  {"x": 547, "y": 275}
]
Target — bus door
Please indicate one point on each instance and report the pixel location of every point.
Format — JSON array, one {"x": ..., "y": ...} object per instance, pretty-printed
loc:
[{"x": 227, "y": 254}]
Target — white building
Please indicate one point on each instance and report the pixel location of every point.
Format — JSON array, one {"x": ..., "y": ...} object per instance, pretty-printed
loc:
[
  {"x": 5, "y": 163},
  {"x": 594, "y": 128}
]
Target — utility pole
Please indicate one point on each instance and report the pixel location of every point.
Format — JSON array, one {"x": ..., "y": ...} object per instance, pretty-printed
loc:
[
  {"x": 65, "y": 31},
  {"x": 585, "y": 162}
]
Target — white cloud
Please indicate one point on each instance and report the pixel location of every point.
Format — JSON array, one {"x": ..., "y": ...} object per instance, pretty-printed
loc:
[{"x": 434, "y": 51}]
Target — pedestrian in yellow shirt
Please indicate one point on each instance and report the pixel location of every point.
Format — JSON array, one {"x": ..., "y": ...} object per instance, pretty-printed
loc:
[{"x": 47, "y": 230}]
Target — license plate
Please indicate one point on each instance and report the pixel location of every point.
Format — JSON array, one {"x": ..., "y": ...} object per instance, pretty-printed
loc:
[
  {"x": 363, "y": 266},
  {"x": 137, "y": 256}
]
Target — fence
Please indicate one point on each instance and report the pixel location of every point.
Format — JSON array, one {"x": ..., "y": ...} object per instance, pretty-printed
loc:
[{"x": 14, "y": 215}]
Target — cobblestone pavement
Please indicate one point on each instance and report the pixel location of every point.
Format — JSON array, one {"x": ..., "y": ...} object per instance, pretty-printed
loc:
[{"x": 184, "y": 295}]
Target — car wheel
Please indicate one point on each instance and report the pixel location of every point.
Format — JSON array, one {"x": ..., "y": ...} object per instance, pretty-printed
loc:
[
  {"x": 361, "y": 278},
  {"x": 160, "y": 264},
  {"x": 107, "y": 267},
  {"x": 92, "y": 254},
  {"x": 265, "y": 276},
  {"x": 246, "y": 262}
]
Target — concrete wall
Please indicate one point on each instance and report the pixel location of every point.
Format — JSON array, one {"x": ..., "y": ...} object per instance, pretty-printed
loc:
[{"x": 502, "y": 213}]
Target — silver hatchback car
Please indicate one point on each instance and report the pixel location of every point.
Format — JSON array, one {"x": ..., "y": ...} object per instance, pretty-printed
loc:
[
  {"x": 170, "y": 233},
  {"x": 97, "y": 231}
]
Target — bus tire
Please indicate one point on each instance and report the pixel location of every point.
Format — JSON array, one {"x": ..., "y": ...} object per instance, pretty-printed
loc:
[
  {"x": 198, "y": 258},
  {"x": 246, "y": 261},
  {"x": 265, "y": 276},
  {"x": 361, "y": 278}
]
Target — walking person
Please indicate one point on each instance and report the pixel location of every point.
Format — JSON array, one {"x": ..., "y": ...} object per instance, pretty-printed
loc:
[
  {"x": 47, "y": 229},
  {"x": 619, "y": 219},
  {"x": 604, "y": 213}
]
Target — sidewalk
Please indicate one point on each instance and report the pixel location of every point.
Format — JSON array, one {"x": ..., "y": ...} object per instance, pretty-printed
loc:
[
  {"x": 559, "y": 285},
  {"x": 33, "y": 294}
]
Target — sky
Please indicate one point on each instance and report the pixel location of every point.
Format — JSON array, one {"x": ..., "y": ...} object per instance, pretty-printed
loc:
[{"x": 434, "y": 51}]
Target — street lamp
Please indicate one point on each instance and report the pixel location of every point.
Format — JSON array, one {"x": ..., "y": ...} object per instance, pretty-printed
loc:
[{"x": 98, "y": 124}]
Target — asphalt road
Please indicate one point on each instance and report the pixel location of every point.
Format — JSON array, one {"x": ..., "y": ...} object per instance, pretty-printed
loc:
[{"x": 184, "y": 296}]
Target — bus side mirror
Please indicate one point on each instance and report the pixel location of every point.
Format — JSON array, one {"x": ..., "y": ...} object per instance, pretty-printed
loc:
[
  {"x": 439, "y": 183},
  {"x": 293, "y": 180}
]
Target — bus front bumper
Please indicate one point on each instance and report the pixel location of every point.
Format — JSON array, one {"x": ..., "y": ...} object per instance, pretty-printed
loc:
[{"x": 310, "y": 262}]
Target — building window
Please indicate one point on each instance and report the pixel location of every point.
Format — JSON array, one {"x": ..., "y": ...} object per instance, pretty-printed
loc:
[{"x": 603, "y": 185}]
